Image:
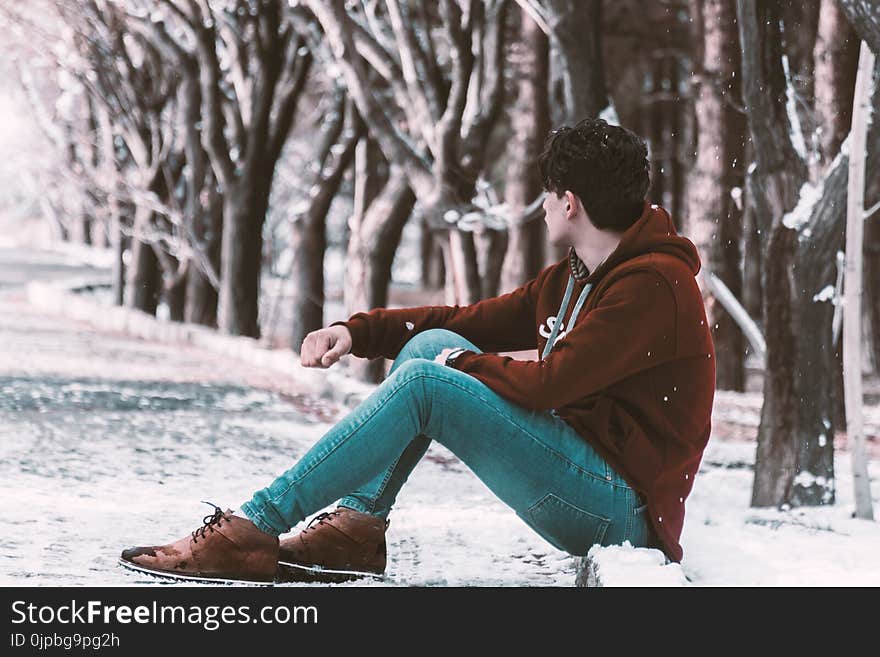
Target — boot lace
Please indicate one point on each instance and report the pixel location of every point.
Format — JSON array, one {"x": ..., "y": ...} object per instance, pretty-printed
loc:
[
  {"x": 320, "y": 518},
  {"x": 209, "y": 522}
]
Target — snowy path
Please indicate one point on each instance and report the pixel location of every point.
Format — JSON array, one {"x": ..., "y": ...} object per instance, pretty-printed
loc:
[{"x": 108, "y": 441}]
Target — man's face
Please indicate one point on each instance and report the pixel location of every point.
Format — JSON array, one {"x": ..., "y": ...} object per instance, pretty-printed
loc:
[{"x": 555, "y": 211}]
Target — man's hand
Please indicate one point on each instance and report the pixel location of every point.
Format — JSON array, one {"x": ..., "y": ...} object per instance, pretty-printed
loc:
[
  {"x": 325, "y": 346},
  {"x": 441, "y": 357}
]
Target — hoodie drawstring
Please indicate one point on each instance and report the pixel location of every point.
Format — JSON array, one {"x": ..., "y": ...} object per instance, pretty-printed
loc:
[{"x": 562, "y": 308}]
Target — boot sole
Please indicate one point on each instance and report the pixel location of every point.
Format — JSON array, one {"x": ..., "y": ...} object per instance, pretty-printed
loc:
[
  {"x": 296, "y": 572},
  {"x": 164, "y": 574}
]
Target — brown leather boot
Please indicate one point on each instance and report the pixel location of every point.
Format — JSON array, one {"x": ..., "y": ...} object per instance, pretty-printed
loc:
[
  {"x": 225, "y": 548},
  {"x": 344, "y": 544}
]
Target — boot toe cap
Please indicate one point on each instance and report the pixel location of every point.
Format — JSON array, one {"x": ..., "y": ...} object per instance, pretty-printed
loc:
[{"x": 132, "y": 554}]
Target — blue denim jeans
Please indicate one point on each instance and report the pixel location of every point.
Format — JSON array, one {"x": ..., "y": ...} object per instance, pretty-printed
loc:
[{"x": 532, "y": 460}]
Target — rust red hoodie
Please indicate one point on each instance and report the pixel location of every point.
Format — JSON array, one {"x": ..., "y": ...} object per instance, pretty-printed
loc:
[{"x": 633, "y": 373}]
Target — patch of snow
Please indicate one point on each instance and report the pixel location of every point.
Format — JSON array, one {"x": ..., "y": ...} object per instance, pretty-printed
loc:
[
  {"x": 610, "y": 114},
  {"x": 797, "y": 135},
  {"x": 825, "y": 294},
  {"x": 800, "y": 215},
  {"x": 624, "y": 565}
]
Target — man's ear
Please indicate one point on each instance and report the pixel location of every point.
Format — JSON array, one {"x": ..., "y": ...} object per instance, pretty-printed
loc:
[{"x": 571, "y": 202}]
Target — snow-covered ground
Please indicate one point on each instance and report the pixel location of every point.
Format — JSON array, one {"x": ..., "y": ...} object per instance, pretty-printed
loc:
[{"x": 108, "y": 441}]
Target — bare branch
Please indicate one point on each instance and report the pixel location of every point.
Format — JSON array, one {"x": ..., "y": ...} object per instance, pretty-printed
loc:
[
  {"x": 337, "y": 27},
  {"x": 537, "y": 13},
  {"x": 408, "y": 47}
]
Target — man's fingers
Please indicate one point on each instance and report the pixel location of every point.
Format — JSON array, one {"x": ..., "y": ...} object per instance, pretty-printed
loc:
[
  {"x": 307, "y": 351},
  {"x": 332, "y": 356}
]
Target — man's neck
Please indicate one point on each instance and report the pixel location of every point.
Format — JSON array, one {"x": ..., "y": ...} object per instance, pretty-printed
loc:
[{"x": 596, "y": 248}]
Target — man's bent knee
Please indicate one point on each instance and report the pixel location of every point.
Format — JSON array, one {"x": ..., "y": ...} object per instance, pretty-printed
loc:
[{"x": 429, "y": 343}]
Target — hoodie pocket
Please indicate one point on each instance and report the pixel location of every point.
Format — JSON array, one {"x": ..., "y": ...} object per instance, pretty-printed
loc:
[{"x": 566, "y": 526}]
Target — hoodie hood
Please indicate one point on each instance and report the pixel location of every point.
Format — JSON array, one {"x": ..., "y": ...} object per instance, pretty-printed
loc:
[{"x": 653, "y": 232}]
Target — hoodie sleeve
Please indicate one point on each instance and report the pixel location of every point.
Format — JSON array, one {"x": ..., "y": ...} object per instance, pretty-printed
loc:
[
  {"x": 503, "y": 323},
  {"x": 631, "y": 329}
]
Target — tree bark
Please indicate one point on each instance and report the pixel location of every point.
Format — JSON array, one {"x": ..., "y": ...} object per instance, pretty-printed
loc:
[
  {"x": 143, "y": 284},
  {"x": 796, "y": 407},
  {"x": 530, "y": 121},
  {"x": 206, "y": 216},
  {"x": 795, "y": 445},
  {"x": 852, "y": 321},
  {"x": 836, "y": 55},
  {"x": 714, "y": 221},
  {"x": 372, "y": 244},
  {"x": 371, "y": 177},
  {"x": 872, "y": 282},
  {"x": 244, "y": 211},
  {"x": 309, "y": 238},
  {"x": 175, "y": 298},
  {"x": 753, "y": 252},
  {"x": 836, "y": 60},
  {"x": 575, "y": 32}
]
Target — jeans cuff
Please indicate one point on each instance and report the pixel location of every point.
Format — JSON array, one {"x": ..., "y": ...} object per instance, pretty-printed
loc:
[
  {"x": 257, "y": 519},
  {"x": 349, "y": 503}
]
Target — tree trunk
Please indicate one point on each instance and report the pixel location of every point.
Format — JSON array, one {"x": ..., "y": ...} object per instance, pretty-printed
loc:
[
  {"x": 714, "y": 221},
  {"x": 836, "y": 55},
  {"x": 175, "y": 298},
  {"x": 244, "y": 210},
  {"x": 796, "y": 406},
  {"x": 753, "y": 252},
  {"x": 143, "y": 283},
  {"x": 376, "y": 228},
  {"x": 433, "y": 272},
  {"x": 370, "y": 177},
  {"x": 308, "y": 241},
  {"x": 309, "y": 231},
  {"x": 491, "y": 246},
  {"x": 576, "y": 29},
  {"x": 463, "y": 284},
  {"x": 202, "y": 297},
  {"x": 814, "y": 269},
  {"x": 865, "y": 20},
  {"x": 118, "y": 245},
  {"x": 836, "y": 60},
  {"x": 852, "y": 321},
  {"x": 529, "y": 119},
  {"x": 872, "y": 282}
]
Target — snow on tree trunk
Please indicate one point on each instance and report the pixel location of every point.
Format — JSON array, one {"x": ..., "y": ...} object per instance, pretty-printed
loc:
[{"x": 852, "y": 322}]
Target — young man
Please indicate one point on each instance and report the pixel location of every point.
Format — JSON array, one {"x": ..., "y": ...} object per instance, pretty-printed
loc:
[{"x": 596, "y": 442}]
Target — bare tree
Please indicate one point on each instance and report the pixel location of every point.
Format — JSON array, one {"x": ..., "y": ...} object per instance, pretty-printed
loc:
[
  {"x": 852, "y": 328},
  {"x": 252, "y": 67},
  {"x": 794, "y": 462},
  {"x": 805, "y": 225},
  {"x": 334, "y": 154},
  {"x": 865, "y": 21},
  {"x": 433, "y": 124},
  {"x": 574, "y": 28}
]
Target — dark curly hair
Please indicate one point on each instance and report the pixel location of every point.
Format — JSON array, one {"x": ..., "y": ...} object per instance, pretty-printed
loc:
[{"x": 606, "y": 166}]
